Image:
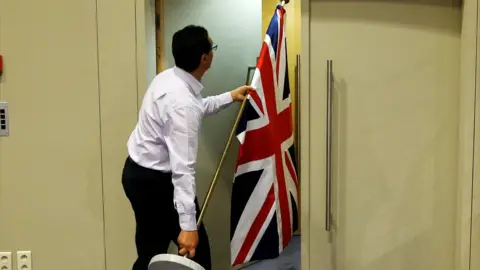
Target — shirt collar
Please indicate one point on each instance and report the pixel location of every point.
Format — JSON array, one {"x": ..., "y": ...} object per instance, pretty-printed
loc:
[{"x": 194, "y": 84}]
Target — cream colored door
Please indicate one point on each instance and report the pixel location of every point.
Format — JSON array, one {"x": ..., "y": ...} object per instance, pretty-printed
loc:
[
  {"x": 394, "y": 134},
  {"x": 50, "y": 165}
]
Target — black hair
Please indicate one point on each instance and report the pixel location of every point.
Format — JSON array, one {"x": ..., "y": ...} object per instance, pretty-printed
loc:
[{"x": 188, "y": 46}]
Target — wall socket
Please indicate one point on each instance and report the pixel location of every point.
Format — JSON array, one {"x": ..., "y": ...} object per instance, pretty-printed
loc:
[
  {"x": 24, "y": 260},
  {"x": 6, "y": 261}
]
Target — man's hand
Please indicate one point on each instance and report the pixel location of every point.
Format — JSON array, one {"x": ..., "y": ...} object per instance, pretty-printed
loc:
[
  {"x": 187, "y": 242},
  {"x": 241, "y": 92}
]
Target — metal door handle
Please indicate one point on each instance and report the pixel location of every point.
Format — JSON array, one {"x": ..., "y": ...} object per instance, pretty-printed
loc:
[
  {"x": 297, "y": 114},
  {"x": 328, "y": 179}
]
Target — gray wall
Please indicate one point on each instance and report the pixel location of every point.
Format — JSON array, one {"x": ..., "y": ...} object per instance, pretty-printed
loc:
[{"x": 236, "y": 27}]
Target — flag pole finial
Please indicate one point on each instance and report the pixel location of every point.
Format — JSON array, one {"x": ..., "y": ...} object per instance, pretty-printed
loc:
[{"x": 285, "y": 2}]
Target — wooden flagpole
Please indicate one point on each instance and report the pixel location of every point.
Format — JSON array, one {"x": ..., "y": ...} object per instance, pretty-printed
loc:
[{"x": 222, "y": 159}]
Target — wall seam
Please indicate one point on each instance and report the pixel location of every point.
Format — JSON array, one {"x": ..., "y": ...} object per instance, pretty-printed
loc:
[{"x": 101, "y": 137}]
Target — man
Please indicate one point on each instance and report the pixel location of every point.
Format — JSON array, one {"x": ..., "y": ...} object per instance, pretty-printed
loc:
[{"x": 159, "y": 174}]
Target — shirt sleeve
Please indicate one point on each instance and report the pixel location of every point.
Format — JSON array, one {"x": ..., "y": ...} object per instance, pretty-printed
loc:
[
  {"x": 216, "y": 103},
  {"x": 182, "y": 143}
]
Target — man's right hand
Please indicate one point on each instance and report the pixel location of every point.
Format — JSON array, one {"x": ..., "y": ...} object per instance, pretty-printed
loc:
[
  {"x": 187, "y": 242},
  {"x": 241, "y": 92}
]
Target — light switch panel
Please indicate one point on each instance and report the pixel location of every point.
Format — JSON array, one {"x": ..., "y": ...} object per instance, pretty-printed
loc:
[{"x": 3, "y": 119}]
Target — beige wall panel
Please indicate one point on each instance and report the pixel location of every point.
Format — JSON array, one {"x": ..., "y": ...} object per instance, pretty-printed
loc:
[
  {"x": 118, "y": 96},
  {"x": 50, "y": 166},
  {"x": 393, "y": 208}
]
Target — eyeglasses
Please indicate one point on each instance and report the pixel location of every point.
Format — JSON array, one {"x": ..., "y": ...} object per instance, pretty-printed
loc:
[{"x": 214, "y": 47}]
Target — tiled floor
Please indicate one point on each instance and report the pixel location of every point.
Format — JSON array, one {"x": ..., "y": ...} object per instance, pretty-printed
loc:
[{"x": 288, "y": 260}]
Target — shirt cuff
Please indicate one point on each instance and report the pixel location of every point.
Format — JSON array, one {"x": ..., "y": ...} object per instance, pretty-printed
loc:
[
  {"x": 225, "y": 98},
  {"x": 188, "y": 222}
]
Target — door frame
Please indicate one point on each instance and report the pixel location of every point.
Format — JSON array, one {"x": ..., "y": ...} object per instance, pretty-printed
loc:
[
  {"x": 304, "y": 127},
  {"x": 475, "y": 207},
  {"x": 466, "y": 180},
  {"x": 144, "y": 20},
  {"x": 160, "y": 25}
]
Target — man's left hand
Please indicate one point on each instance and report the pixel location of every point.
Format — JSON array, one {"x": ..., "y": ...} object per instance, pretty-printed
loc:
[{"x": 241, "y": 92}]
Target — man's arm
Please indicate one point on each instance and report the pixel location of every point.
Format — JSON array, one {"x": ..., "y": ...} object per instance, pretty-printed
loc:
[
  {"x": 216, "y": 103},
  {"x": 182, "y": 142}
]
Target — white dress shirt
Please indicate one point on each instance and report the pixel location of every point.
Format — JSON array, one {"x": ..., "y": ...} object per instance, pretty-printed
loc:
[{"x": 166, "y": 135}]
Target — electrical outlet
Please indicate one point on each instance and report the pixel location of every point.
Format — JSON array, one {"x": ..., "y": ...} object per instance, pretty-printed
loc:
[
  {"x": 24, "y": 260},
  {"x": 6, "y": 261}
]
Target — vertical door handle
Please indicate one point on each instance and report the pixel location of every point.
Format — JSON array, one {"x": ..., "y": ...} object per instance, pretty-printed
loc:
[
  {"x": 328, "y": 178},
  {"x": 297, "y": 114}
]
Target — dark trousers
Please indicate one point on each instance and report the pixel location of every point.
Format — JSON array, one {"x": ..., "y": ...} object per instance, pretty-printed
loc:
[{"x": 151, "y": 195}]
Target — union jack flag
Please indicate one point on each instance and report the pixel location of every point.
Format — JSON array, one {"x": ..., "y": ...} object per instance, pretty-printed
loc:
[{"x": 264, "y": 206}]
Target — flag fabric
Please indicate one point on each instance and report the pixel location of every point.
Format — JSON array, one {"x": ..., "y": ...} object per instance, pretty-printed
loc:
[{"x": 264, "y": 208}]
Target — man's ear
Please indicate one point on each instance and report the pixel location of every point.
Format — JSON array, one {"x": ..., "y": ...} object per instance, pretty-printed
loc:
[{"x": 204, "y": 58}]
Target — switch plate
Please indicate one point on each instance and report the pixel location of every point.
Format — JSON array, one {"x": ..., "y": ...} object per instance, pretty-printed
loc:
[
  {"x": 3, "y": 119},
  {"x": 6, "y": 261},
  {"x": 24, "y": 260}
]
